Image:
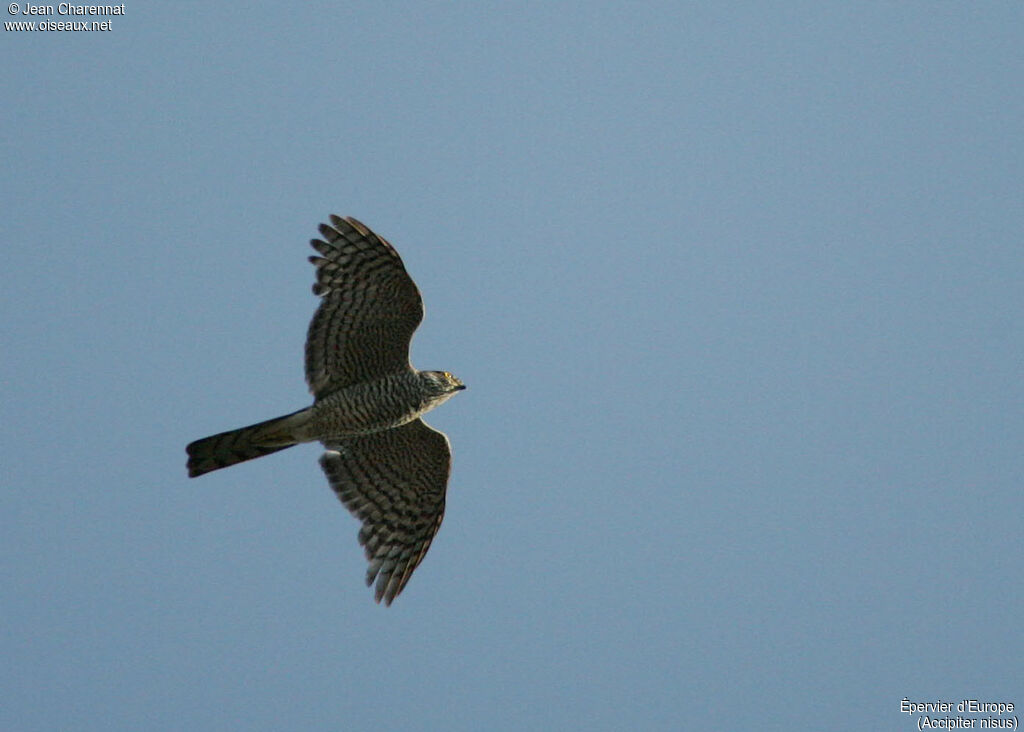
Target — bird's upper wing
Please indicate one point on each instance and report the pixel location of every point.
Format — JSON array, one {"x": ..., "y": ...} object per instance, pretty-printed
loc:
[
  {"x": 368, "y": 313},
  {"x": 394, "y": 482}
]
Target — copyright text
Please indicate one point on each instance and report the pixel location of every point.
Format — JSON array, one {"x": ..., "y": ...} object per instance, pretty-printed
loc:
[{"x": 64, "y": 10}]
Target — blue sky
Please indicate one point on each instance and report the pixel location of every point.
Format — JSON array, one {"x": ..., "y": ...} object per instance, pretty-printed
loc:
[{"x": 737, "y": 292}]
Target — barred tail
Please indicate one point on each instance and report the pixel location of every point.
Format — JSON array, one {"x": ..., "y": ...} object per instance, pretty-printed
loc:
[{"x": 246, "y": 443}]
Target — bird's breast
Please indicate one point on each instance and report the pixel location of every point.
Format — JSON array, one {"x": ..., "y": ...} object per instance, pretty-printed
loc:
[{"x": 367, "y": 407}]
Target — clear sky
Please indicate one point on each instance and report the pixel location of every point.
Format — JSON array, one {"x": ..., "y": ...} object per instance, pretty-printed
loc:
[{"x": 737, "y": 291}]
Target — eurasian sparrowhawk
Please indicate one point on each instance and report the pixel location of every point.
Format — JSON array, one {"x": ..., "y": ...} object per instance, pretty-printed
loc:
[{"x": 386, "y": 465}]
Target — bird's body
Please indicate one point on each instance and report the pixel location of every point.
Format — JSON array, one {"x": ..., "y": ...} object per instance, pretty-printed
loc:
[
  {"x": 388, "y": 402},
  {"x": 386, "y": 465}
]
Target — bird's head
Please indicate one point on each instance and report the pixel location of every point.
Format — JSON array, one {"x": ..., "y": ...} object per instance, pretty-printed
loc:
[
  {"x": 442, "y": 382},
  {"x": 441, "y": 386}
]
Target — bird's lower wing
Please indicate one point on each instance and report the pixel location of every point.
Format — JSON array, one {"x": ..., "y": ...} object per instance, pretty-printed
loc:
[{"x": 394, "y": 482}]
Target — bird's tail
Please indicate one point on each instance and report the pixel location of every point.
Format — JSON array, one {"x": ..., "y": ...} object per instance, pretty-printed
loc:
[{"x": 237, "y": 446}]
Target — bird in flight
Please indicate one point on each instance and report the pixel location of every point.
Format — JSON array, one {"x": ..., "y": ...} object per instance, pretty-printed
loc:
[{"x": 387, "y": 466}]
